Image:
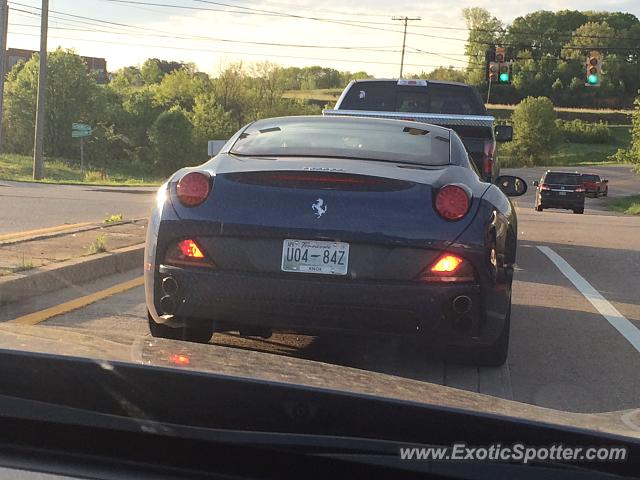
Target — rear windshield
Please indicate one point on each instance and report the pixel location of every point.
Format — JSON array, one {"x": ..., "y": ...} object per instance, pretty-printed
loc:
[
  {"x": 434, "y": 98},
  {"x": 591, "y": 178},
  {"x": 563, "y": 179},
  {"x": 369, "y": 141}
]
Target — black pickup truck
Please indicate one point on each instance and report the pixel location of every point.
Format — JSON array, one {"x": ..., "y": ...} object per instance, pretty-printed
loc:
[{"x": 450, "y": 104}]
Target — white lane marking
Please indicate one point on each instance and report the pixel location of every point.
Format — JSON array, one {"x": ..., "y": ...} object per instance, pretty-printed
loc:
[{"x": 608, "y": 311}]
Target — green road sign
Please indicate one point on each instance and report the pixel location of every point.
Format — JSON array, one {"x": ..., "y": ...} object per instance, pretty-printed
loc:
[{"x": 79, "y": 130}]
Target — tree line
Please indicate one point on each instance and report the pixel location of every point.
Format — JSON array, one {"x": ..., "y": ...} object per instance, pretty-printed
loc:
[
  {"x": 549, "y": 49},
  {"x": 156, "y": 117}
]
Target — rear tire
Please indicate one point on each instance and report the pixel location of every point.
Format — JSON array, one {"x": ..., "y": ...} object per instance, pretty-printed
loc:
[
  {"x": 578, "y": 210},
  {"x": 539, "y": 208},
  {"x": 491, "y": 356},
  {"x": 199, "y": 334}
]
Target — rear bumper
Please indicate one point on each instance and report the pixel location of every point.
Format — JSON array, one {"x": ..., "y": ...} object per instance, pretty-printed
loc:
[
  {"x": 559, "y": 202},
  {"x": 307, "y": 304}
]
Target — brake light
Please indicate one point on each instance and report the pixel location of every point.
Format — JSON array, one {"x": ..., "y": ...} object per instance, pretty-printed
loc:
[
  {"x": 489, "y": 150},
  {"x": 193, "y": 188},
  {"x": 579, "y": 190},
  {"x": 187, "y": 253},
  {"x": 449, "y": 268},
  {"x": 190, "y": 249},
  {"x": 447, "y": 263},
  {"x": 544, "y": 186},
  {"x": 452, "y": 202}
]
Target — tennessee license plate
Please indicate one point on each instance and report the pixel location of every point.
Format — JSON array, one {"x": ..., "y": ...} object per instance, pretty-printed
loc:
[{"x": 311, "y": 256}]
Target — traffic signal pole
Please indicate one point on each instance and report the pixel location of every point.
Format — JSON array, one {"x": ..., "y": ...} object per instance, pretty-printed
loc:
[
  {"x": 4, "y": 23},
  {"x": 38, "y": 147}
]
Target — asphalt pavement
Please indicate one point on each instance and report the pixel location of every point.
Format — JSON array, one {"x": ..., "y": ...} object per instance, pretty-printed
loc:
[
  {"x": 30, "y": 206},
  {"x": 575, "y": 332}
]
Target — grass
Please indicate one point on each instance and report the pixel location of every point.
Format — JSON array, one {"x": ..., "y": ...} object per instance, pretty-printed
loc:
[
  {"x": 99, "y": 245},
  {"x": 629, "y": 205},
  {"x": 114, "y": 218},
  {"x": 20, "y": 168}
]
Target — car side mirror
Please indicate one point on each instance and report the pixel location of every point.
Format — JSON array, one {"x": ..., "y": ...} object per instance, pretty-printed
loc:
[
  {"x": 503, "y": 133},
  {"x": 535, "y": 183},
  {"x": 605, "y": 180},
  {"x": 511, "y": 186}
]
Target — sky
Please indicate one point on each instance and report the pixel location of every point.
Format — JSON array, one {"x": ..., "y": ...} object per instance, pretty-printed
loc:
[{"x": 215, "y": 33}]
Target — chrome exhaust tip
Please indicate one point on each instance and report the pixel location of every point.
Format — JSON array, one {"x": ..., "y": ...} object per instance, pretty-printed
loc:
[
  {"x": 168, "y": 305},
  {"x": 462, "y": 304},
  {"x": 169, "y": 286}
]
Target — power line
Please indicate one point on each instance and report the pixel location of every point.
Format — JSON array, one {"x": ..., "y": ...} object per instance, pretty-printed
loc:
[
  {"x": 162, "y": 34},
  {"x": 172, "y": 47}
]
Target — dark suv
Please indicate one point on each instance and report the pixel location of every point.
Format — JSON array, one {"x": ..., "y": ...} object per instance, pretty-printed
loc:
[{"x": 560, "y": 190}]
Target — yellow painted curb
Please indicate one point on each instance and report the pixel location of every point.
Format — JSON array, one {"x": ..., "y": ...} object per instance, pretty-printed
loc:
[
  {"x": 43, "y": 231},
  {"x": 75, "y": 304}
]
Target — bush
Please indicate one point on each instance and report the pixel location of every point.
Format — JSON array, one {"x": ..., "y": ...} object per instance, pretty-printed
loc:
[
  {"x": 578, "y": 131},
  {"x": 171, "y": 141},
  {"x": 536, "y": 134},
  {"x": 632, "y": 154}
]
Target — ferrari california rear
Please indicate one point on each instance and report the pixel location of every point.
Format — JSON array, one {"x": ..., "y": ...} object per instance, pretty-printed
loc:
[{"x": 321, "y": 224}]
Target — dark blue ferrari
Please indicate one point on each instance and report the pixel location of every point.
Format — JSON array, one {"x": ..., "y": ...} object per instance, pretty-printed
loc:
[{"x": 320, "y": 224}]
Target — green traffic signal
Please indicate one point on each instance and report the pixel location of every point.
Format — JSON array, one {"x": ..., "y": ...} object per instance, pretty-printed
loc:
[
  {"x": 504, "y": 77},
  {"x": 592, "y": 79}
]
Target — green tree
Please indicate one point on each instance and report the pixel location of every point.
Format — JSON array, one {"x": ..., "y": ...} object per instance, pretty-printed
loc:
[
  {"x": 71, "y": 93},
  {"x": 171, "y": 141},
  {"x": 590, "y": 36},
  {"x": 210, "y": 122},
  {"x": 447, "y": 74},
  {"x": 151, "y": 71},
  {"x": 181, "y": 87},
  {"x": 484, "y": 30},
  {"x": 632, "y": 154},
  {"x": 535, "y": 132},
  {"x": 127, "y": 77}
]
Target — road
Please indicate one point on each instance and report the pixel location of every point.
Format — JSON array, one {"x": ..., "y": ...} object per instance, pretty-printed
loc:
[
  {"x": 571, "y": 348},
  {"x": 31, "y": 206}
]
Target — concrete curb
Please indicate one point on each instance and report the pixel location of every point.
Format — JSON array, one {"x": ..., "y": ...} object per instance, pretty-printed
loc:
[
  {"x": 43, "y": 236},
  {"x": 56, "y": 276}
]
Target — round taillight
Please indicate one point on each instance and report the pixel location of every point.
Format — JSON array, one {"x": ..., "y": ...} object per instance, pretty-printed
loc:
[
  {"x": 452, "y": 202},
  {"x": 193, "y": 188}
]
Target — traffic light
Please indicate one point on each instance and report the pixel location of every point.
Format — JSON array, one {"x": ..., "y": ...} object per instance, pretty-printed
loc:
[
  {"x": 505, "y": 70},
  {"x": 493, "y": 72},
  {"x": 594, "y": 70},
  {"x": 500, "y": 52}
]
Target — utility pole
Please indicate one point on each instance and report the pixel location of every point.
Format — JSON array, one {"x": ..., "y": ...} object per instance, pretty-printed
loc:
[
  {"x": 4, "y": 23},
  {"x": 404, "y": 38},
  {"x": 38, "y": 147}
]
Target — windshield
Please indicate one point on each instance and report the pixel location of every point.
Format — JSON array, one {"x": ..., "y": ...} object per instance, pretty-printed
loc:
[
  {"x": 563, "y": 179},
  {"x": 434, "y": 98},
  {"x": 368, "y": 141},
  {"x": 591, "y": 178},
  {"x": 206, "y": 189}
]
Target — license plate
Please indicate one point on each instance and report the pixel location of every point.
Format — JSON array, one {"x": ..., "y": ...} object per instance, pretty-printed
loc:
[
  {"x": 311, "y": 256},
  {"x": 562, "y": 193}
]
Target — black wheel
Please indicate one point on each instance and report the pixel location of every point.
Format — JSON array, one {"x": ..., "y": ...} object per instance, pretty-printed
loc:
[
  {"x": 199, "y": 334},
  {"x": 491, "y": 356},
  {"x": 605, "y": 193},
  {"x": 539, "y": 208},
  {"x": 578, "y": 210}
]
